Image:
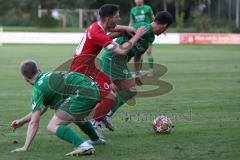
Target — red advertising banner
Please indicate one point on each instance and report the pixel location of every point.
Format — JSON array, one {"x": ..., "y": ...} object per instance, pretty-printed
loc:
[{"x": 196, "y": 38}]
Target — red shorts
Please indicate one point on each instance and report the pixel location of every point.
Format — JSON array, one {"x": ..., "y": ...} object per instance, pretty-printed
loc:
[{"x": 102, "y": 80}]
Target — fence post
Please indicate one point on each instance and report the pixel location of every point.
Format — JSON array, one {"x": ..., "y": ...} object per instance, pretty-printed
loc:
[
  {"x": 237, "y": 14},
  {"x": 80, "y": 18}
]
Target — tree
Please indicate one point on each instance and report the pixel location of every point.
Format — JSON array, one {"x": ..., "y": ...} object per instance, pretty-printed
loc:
[{"x": 179, "y": 4}]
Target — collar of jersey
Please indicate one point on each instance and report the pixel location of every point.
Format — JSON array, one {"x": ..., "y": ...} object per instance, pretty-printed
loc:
[
  {"x": 101, "y": 26},
  {"x": 38, "y": 76}
]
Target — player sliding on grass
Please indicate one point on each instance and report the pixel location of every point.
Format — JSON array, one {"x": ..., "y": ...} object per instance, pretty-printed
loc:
[
  {"x": 115, "y": 66},
  {"x": 72, "y": 95},
  {"x": 94, "y": 40}
]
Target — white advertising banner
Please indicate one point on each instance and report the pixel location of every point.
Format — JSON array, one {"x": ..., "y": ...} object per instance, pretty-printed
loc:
[
  {"x": 66, "y": 38},
  {"x": 40, "y": 38},
  {"x": 169, "y": 38}
]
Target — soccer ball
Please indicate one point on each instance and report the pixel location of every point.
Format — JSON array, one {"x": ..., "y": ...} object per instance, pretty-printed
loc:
[{"x": 162, "y": 124}]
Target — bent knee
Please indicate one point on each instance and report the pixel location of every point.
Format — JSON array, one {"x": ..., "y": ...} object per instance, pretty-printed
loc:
[{"x": 51, "y": 128}]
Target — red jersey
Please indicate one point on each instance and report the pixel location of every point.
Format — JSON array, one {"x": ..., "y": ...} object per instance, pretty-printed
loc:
[{"x": 89, "y": 47}]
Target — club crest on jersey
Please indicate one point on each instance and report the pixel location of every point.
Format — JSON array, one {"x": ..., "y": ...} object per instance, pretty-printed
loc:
[
  {"x": 40, "y": 82},
  {"x": 106, "y": 86}
]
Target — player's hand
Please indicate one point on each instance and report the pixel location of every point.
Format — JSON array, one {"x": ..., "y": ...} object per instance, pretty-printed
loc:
[
  {"x": 140, "y": 32},
  {"x": 131, "y": 31},
  {"x": 16, "y": 124},
  {"x": 22, "y": 149}
]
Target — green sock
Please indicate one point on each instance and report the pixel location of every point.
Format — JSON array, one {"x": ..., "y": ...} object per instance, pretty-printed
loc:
[
  {"x": 67, "y": 134},
  {"x": 122, "y": 96},
  {"x": 150, "y": 62},
  {"x": 120, "y": 102},
  {"x": 88, "y": 129}
]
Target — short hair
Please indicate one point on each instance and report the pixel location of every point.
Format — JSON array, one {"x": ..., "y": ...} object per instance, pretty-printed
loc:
[
  {"x": 29, "y": 69},
  {"x": 163, "y": 17},
  {"x": 108, "y": 10}
]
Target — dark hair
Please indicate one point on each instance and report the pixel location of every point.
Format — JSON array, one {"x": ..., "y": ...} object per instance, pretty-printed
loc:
[
  {"x": 29, "y": 69},
  {"x": 163, "y": 17},
  {"x": 108, "y": 10}
]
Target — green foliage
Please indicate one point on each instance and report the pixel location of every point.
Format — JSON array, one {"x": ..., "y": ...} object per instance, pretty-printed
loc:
[
  {"x": 48, "y": 21},
  {"x": 18, "y": 18},
  {"x": 179, "y": 4},
  {"x": 24, "y": 12},
  {"x": 125, "y": 7},
  {"x": 201, "y": 22},
  {"x": 180, "y": 21},
  {"x": 235, "y": 30}
]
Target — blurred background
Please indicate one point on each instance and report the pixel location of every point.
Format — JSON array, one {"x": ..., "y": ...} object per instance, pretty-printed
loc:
[{"x": 206, "y": 16}]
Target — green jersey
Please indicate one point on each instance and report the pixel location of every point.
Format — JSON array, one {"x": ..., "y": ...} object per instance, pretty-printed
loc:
[
  {"x": 142, "y": 45},
  {"x": 55, "y": 88},
  {"x": 115, "y": 66},
  {"x": 143, "y": 13}
]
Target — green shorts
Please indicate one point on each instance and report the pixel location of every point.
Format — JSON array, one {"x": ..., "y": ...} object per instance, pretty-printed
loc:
[
  {"x": 76, "y": 106},
  {"x": 115, "y": 66}
]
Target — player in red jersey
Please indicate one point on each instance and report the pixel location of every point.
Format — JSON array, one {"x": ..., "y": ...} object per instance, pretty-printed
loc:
[{"x": 94, "y": 40}]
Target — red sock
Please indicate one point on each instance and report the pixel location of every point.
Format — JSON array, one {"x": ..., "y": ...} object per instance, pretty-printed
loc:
[{"x": 102, "y": 108}]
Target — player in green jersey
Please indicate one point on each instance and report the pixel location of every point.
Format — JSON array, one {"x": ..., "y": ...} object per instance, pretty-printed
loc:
[
  {"x": 72, "y": 95},
  {"x": 143, "y": 13},
  {"x": 115, "y": 66}
]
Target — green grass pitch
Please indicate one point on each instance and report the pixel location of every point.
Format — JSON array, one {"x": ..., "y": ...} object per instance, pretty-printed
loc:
[{"x": 204, "y": 106}]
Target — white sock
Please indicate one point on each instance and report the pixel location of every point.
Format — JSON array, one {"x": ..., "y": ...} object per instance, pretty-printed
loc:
[
  {"x": 95, "y": 123},
  {"x": 109, "y": 113},
  {"x": 86, "y": 145}
]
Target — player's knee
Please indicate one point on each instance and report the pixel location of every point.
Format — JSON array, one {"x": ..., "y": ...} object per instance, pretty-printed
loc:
[
  {"x": 51, "y": 128},
  {"x": 149, "y": 52}
]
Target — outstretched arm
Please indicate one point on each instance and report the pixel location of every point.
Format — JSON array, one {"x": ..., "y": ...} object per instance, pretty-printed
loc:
[
  {"x": 25, "y": 119},
  {"x": 19, "y": 122},
  {"x": 31, "y": 132},
  {"x": 113, "y": 35},
  {"x": 124, "y": 29},
  {"x": 125, "y": 47}
]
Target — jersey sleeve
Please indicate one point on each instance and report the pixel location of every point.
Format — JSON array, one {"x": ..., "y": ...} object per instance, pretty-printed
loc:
[
  {"x": 101, "y": 39},
  {"x": 37, "y": 100}
]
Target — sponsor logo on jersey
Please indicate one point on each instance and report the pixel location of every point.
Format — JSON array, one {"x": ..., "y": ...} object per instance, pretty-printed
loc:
[{"x": 140, "y": 17}]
